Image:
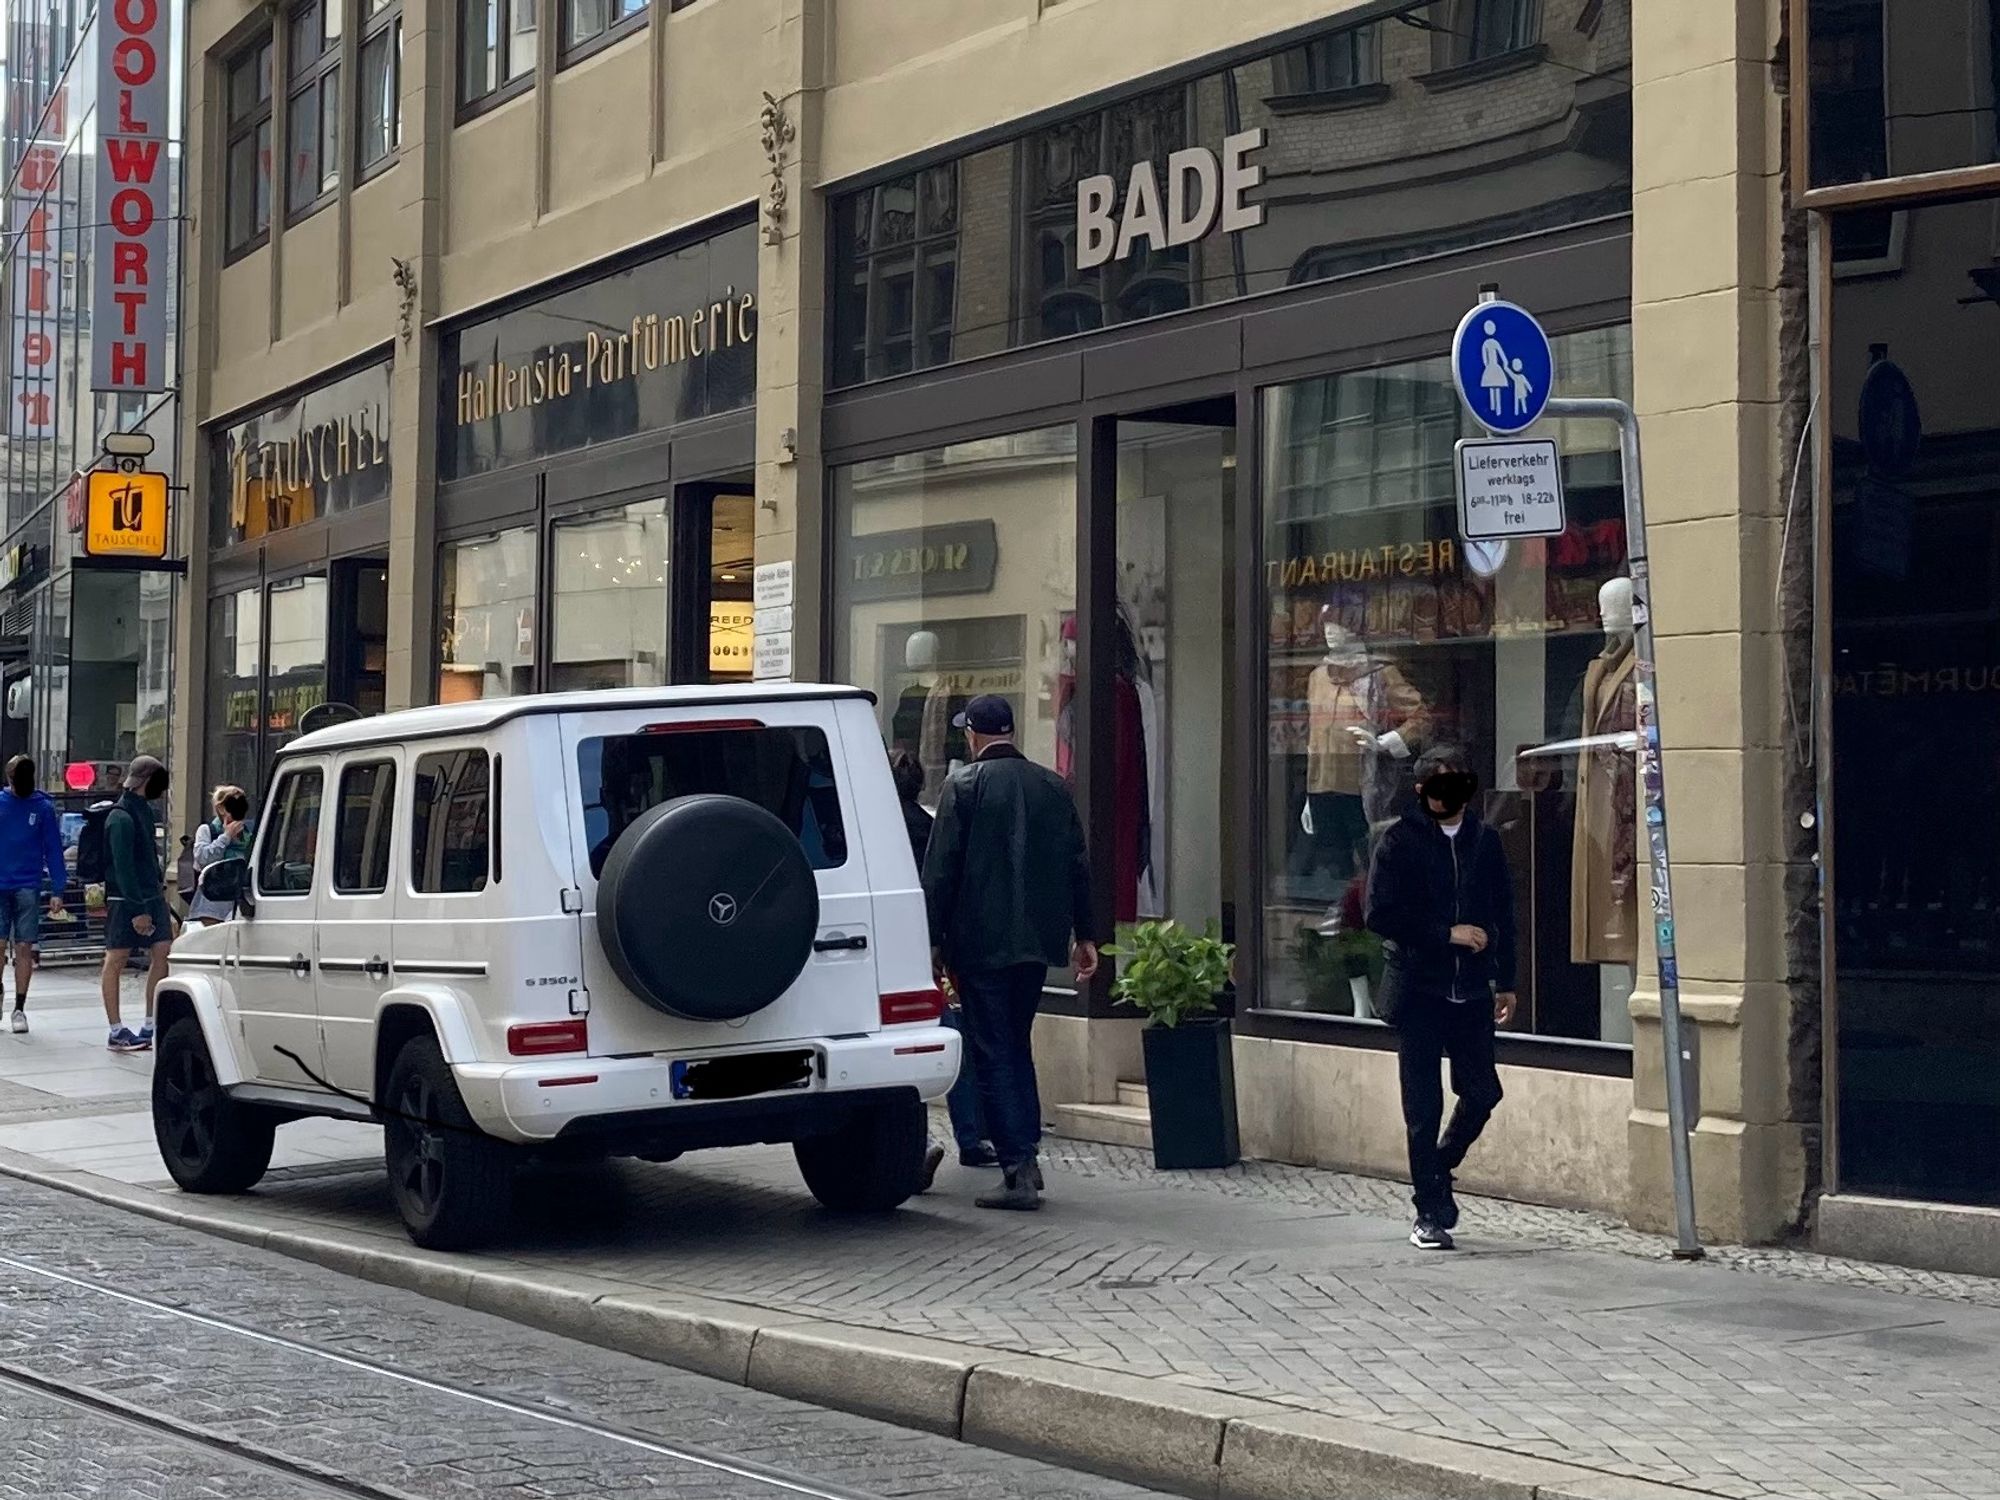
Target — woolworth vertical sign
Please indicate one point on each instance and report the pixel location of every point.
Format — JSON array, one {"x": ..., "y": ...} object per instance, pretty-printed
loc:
[{"x": 133, "y": 211}]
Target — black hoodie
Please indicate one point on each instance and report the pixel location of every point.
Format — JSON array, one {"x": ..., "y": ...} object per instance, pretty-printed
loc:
[{"x": 1421, "y": 884}]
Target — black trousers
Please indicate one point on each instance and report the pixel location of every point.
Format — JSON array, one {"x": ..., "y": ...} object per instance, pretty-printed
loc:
[{"x": 1429, "y": 1032}]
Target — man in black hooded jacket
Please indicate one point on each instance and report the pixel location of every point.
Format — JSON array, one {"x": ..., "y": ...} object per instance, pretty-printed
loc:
[{"x": 1441, "y": 898}]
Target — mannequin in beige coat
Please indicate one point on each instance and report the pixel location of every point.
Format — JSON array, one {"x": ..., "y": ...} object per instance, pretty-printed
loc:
[{"x": 1604, "y": 868}]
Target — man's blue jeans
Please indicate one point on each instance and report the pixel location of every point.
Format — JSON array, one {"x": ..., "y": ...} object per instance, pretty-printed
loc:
[
  {"x": 998, "y": 1024},
  {"x": 967, "y": 1127}
]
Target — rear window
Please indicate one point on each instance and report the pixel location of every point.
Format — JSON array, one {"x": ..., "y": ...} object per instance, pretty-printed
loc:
[{"x": 787, "y": 772}]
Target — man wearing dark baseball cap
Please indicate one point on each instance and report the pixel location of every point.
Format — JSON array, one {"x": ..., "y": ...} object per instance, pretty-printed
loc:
[
  {"x": 135, "y": 898},
  {"x": 1008, "y": 886}
]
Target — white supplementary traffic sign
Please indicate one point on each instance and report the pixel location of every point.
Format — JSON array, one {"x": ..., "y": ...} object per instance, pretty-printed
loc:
[
  {"x": 1509, "y": 488},
  {"x": 771, "y": 660},
  {"x": 771, "y": 586}
]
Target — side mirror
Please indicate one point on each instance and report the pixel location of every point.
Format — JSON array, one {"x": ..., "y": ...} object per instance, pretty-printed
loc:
[{"x": 227, "y": 882}]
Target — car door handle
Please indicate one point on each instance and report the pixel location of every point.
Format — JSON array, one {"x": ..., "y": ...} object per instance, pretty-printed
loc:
[
  {"x": 377, "y": 967},
  {"x": 302, "y": 966},
  {"x": 855, "y": 944}
]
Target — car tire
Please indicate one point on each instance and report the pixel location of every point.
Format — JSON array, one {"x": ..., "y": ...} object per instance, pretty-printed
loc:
[
  {"x": 707, "y": 908},
  {"x": 452, "y": 1183},
  {"x": 210, "y": 1142},
  {"x": 871, "y": 1164}
]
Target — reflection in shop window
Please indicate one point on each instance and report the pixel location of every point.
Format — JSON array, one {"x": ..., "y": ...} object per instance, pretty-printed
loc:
[
  {"x": 1385, "y": 636},
  {"x": 297, "y": 667},
  {"x": 898, "y": 293},
  {"x": 235, "y": 657},
  {"x": 610, "y": 605},
  {"x": 1348, "y": 59},
  {"x": 1478, "y": 29},
  {"x": 486, "y": 610},
  {"x": 955, "y": 575}
]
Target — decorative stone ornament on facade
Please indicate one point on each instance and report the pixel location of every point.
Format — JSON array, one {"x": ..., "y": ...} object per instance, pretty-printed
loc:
[
  {"x": 1204, "y": 192},
  {"x": 776, "y": 132},
  {"x": 406, "y": 286}
]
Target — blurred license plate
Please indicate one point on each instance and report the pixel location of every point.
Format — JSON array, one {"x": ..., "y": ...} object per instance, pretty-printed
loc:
[{"x": 740, "y": 1077}]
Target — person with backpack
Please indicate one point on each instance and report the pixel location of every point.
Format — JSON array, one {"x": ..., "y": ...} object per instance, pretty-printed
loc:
[
  {"x": 225, "y": 836},
  {"x": 135, "y": 897},
  {"x": 30, "y": 843}
]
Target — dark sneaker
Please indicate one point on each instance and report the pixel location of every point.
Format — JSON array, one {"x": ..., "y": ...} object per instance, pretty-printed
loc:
[
  {"x": 1444, "y": 1207},
  {"x": 978, "y": 1157},
  {"x": 933, "y": 1159},
  {"x": 1033, "y": 1171},
  {"x": 124, "y": 1039},
  {"x": 1018, "y": 1192},
  {"x": 1426, "y": 1234}
]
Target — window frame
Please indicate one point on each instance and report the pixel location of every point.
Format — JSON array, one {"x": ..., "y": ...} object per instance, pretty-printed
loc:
[
  {"x": 386, "y": 21},
  {"x": 237, "y": 128},
  {"x": 508, "y": 88},
  {"x": 380, "y": 799},
  {"x": 569, "y": 51},
  {"x": 1465, "y": 41},
  {"x": 420, "y": 820},
  {"x": 319, "y": 77},
  {"x": 272, "y": 832}
]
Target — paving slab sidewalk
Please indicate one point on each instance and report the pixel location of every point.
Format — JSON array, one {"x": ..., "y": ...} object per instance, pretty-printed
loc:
[{"x": 1265, "y": 1331}]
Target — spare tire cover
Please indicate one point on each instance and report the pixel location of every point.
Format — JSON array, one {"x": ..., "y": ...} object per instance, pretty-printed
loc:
[{"x": 707, "y": 908}]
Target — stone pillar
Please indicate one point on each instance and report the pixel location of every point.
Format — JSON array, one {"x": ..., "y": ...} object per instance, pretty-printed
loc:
[
  {"x": 428, "y": 93},
  {"x": 791, "y": 320},
  {"x": 1707, "y": 144}
]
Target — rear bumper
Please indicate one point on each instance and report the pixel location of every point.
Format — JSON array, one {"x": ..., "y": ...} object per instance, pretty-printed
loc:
[{"x": 626, "y": 1104}]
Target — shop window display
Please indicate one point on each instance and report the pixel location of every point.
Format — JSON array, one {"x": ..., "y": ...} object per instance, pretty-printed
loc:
[
  {"x": 609, "y": 610},
  {"x": 1386, "y": 634},
  {"x": 955, "y": 575},
  {"x": 486, "y": 602}
]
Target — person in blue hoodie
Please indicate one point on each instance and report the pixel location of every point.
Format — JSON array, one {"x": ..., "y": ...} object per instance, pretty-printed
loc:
[{"x": 30, "y": 842}]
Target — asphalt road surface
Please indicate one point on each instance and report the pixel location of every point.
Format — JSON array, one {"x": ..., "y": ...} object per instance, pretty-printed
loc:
[{"x": 141, "y": 1362}]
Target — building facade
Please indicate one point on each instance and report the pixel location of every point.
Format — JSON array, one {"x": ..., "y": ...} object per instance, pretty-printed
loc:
[
  {"x": 86, "y": 649},
  {"x": 1089, "y": 352}
]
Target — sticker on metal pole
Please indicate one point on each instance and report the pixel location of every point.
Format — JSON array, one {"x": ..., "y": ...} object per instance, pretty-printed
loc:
[
  {"x": 1503, "y": 366},
  {"x": 1509, "y": 487}
]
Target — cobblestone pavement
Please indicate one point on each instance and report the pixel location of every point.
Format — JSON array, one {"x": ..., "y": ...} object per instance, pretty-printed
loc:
[
  {"x": 371, "y": 1427},
  {"x": 1557, "y": 1334}
]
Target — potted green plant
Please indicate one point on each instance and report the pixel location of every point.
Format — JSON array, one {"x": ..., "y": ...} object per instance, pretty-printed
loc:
[{"x": 1173, "y": 976}]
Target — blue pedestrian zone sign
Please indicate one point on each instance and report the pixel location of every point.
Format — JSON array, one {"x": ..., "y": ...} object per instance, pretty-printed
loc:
[{"x": 1503, "y": 366}]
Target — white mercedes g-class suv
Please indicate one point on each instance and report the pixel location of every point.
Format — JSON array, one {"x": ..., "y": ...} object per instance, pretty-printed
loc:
[{"x": 609, "y": 923}]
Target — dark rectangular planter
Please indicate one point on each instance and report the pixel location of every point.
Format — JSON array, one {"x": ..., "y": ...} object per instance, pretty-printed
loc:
[{"x": 1191, "y": 1089}]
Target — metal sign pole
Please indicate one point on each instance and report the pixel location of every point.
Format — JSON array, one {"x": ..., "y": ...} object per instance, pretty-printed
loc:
[{"x": 1655, "y": 802}]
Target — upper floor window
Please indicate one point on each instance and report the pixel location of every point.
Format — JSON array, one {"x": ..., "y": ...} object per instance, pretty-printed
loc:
[
  {"x": 898, "y": 301},
  {"x": 587, "y": 22},
  {"x": 247, "y": 172},
  {"x": 1478, "y": 29},
  {"x": 312, "y": 123},
  {"x": 1348, "y": 59},
  {"x": 380, "y": 101},
  {"x": 496, "y": 40}
]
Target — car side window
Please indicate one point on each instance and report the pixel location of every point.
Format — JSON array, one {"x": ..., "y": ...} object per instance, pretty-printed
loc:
[
  {"x": 291, "y": 836},
  {"x": 363, "y": 819},
  {"x": 449, "y": 822}
]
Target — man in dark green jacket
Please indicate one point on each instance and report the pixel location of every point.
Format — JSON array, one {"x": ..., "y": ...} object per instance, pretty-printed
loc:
[
  {"x": 1008, "y": 887},
  {"x": 135, "y": 898}
]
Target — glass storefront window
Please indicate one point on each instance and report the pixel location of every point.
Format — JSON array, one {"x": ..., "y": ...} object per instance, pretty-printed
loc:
[
  {"x": 1899, "y": 89},
  {"x": 486, "y": 601},
  {"x": 235, "y": 657},
  {"x": 1386, "y": 634},
  {"x": 609, "y": 610},
  {"x": 297, "y": 662},
  {"x": 955, "y": 575},
  {"x": 1915, "y": 689}
]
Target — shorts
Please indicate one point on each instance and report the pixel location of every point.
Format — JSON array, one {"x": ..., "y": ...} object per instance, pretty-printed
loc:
[
  {"x": 119, "y": 916},
  {"x": 21, "y": 917}
]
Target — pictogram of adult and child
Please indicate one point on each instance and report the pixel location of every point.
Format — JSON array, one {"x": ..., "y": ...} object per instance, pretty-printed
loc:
[{"x": 1500, "y": 374}]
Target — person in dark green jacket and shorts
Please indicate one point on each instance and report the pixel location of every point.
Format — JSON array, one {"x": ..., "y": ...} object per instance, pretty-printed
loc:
[{"x": 135, "y": 897}]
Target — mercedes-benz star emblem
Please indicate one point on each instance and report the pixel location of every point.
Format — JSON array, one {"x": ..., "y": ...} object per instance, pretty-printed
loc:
[{"x": 722, "y": 908}]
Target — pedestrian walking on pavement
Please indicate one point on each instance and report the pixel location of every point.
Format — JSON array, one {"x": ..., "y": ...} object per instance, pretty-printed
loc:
[
  {"x": 1007, "y": 883},
  {"x": 962, "y": 1102},
  {"x": 225, "y": 836},
  {"x": 30, "y": 843},
  {"x": 1442, "y": 899},
  {"x": 135, "y": 897}
]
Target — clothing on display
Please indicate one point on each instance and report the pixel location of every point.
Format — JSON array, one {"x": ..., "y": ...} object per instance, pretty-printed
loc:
[
  {"x": 1134, "y": 784},
  {"x": 1604, "y": 865},
  {"x": 1359, "y": 710}
]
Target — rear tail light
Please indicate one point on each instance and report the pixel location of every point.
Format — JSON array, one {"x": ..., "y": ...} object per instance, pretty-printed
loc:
[
  {"x": 907, "y": 1006},
  {"x": 701, "y": 726},
  {"x": 541, "y": 1038}
]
